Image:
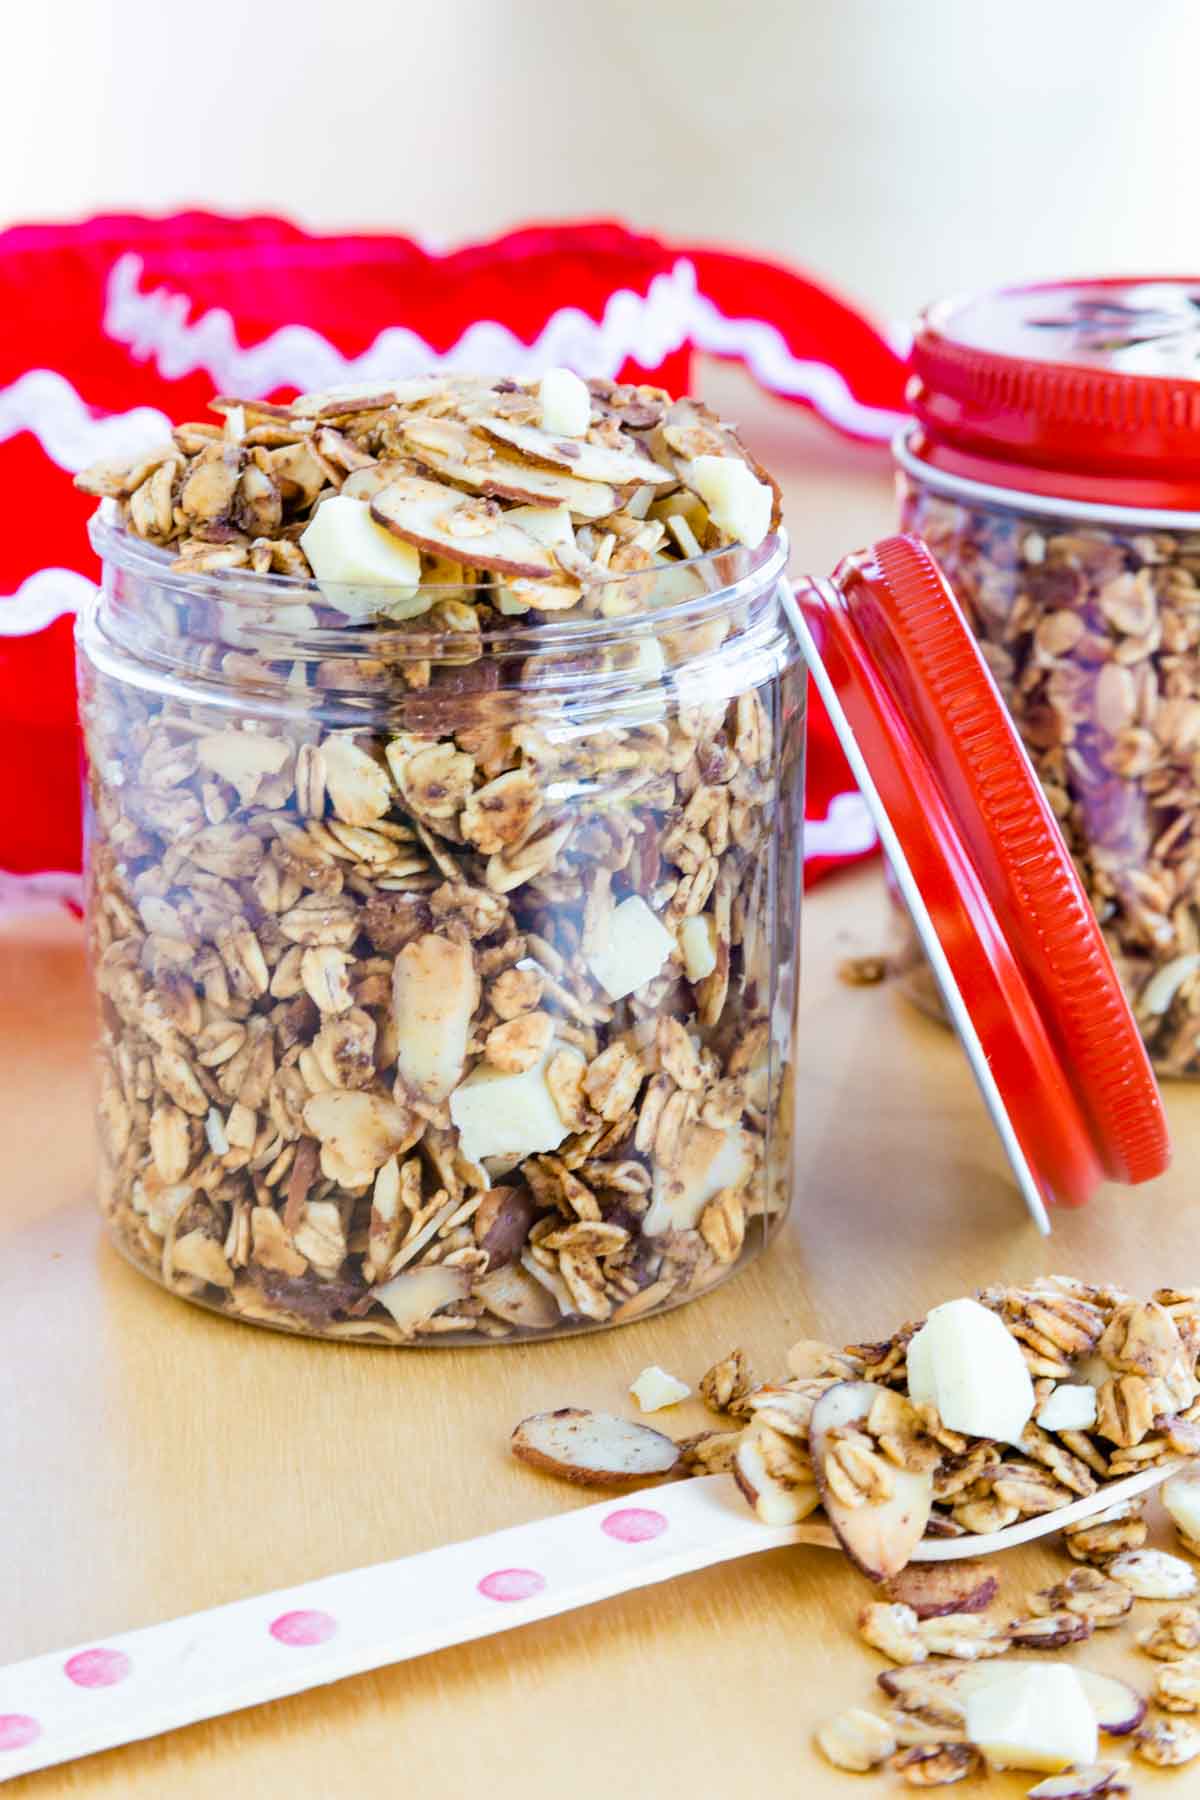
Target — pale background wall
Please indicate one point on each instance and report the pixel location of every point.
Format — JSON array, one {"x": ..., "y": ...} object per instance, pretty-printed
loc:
[{"x": 899, "y": 148}]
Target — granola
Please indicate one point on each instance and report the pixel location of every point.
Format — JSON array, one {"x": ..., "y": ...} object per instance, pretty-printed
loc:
[
  {"x": 1090, "y": 631},
  {"x": 441, "y": 961},
  {"x": 1067, "y": 1331}
]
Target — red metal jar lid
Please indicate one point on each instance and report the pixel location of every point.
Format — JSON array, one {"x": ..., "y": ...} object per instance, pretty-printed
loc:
[
  {"x": 1086, "y": 390},
  {"x": 1023, "y": 966}
]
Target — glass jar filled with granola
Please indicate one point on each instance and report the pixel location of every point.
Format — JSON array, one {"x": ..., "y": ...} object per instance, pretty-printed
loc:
[
  {"x": 1054, "y": 470},
  {"x": 445, "y": 768}
]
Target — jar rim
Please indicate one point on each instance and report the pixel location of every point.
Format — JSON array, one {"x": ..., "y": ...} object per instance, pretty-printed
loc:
[
  {"x": 764, "y": 566},
  {"x": 968, "y": 487}
]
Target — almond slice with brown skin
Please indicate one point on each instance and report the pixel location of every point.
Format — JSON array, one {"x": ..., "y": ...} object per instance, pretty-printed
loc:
[
  {"x": 458, "y": 526},
  {"x": 1083, "y": 1784},
  {"x": 591, "y": 462},
  {"x": 366, "y": 396},
  {"x": 592, "y": 1448},
  {"x": 935, "y": 1589},
  {"x": 451, "y": 450},
  {"x": 879, "y": 1536},
  {"x": 776, "y": 1502}
]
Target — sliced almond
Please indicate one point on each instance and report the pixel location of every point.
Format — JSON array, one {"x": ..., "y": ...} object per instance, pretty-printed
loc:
[
  {"x": 589, "y": 462},
  {"x": 935, "y": 1589},
  {"x": 1087, "y": 1783},
  {"x": 593, "y": 1448},
  {"x": 711, "y": 1159},
  {"x": 367, "y": 396},
  {"x": 417, "y": 1294},
  {"x": 776, "y": 1500},
  {"x": 454, "y": 452},
  {"x": 435, "y": 991},
  {"x": 513, "y": 1295},
  {"x": 444, "y": 523},
  {"x": 357, "y": 1132},
  {"x": 879, "y": 1537}
]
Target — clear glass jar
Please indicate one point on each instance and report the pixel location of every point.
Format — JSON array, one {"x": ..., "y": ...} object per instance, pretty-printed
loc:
[
  {"x": 446, "y": 975},
  {"x": 1055, "y": 475}
]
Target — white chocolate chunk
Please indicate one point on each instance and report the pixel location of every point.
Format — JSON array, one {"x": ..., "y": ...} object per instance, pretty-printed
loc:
[
  {"x": 547, "y": 525},
  {"x": 739, "y": 503},
  {"x": 965, "y": 1363},
  {"x": 711, "y": 1160},
  {"x": 635, "y": 950},
  {"x": 360, "y": 566},
  {"x": 416, "y": 1294},
  {"x": 1153, "y": 1575},
  {"x": 1069, "y": 1408},
  {"x": 242, "y": 758},
  {"x": 434, "y": 994},
  {"x": 566, "y": 403},
  {"x": 1181, "y": 1497},
  {"x": 497, "y": 1114},
  {"x": 654, "y": 1389},
  {"x": 1033, "y": 1718},
  {"x": 698, "y": 946}
]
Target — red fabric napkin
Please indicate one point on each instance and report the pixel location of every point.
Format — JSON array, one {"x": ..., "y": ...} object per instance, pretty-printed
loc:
[{"x": 119, "y": 324}]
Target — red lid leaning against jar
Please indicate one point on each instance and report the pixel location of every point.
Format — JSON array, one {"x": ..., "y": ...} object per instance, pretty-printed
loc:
[
  {"x": 1084, "y": 390},
  {"x": 1021, "y": 962}
]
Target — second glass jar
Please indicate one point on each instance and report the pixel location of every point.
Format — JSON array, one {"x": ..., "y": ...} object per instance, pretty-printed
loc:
[{"x": 1054, "y": 471}]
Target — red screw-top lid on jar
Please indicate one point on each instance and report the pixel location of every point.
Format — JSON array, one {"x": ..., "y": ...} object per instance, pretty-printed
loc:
[
  {"x": 1085, "y": 390},
  {"x": 1023, "y": 967}
]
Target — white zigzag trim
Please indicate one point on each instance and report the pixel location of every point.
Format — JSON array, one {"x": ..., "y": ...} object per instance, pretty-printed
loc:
[
  {"x": 646, "y": 327},
  {"x": 846, "y": 830},
  {"x": 764, "y": 351},
  {"x": 45, "y": 403},
  {"x": 49, "y": 887},
  {"x": 42, "y": 598}
]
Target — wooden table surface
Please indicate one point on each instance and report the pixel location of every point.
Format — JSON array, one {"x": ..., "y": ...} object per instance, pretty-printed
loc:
[{"x": 155, "y": 1459}]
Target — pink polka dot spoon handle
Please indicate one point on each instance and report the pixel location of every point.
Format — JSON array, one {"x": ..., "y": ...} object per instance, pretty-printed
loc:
[{"x": 72, "y": 1703}]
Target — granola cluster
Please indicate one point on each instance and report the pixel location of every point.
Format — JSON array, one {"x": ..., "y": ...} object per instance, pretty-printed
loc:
[
  {"x": 436, "y": 991},
  {"x": 474, "y": 475},
  {"x": 1093, "y": 634},
  {"x": 1115, "y": 1386},
  {"x": 1124, "y": 1370}
]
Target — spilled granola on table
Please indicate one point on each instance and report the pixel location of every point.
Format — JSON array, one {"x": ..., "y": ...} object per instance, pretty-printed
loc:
[
  {"x": 1111, "y": 1388},
  {"x": 437, "y": 959}
]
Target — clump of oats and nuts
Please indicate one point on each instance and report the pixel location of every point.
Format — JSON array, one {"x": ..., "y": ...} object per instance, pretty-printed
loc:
[
  {"x": 1112, "y": 1390},
  {"x": 435, "y": 996},
  {"x": 1093, "y": 634}
]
